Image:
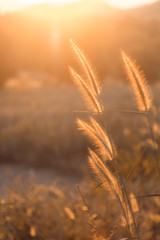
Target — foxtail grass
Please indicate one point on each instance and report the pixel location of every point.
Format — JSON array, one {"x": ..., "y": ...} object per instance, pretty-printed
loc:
[
  {"x": 90, "y": 98},
  {"x": 104, "y": 150},
  {"x": 90, "y": 75},
  {"x": 142, "y": 93},
  {"x": 138, "y": 83}
]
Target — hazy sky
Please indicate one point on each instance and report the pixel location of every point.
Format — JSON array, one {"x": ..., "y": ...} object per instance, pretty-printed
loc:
[{"x": 9, "y": 5}]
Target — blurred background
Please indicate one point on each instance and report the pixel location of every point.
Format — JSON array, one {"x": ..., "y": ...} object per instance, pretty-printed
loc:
[
  {"x": 37, "y": 97},
  {"x": 35, "y": 38},
  {"x": 42, "y": 154}
]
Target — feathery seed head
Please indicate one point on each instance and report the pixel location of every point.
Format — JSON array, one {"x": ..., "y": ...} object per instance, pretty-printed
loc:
[
  {"x": 91, "y": 78},
  {"x": 91, "y": 100},
  {"x": 98, "y": 137},
  {"x": 103, "y": 173},
  {"x": 138, "y": 83}
]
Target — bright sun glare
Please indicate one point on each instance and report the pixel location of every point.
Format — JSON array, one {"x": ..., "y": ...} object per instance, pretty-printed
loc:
[{"x": 9, "y": 5}]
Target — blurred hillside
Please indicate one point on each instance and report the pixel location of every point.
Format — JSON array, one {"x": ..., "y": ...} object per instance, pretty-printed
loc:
[{"x": 36, "y": 39}]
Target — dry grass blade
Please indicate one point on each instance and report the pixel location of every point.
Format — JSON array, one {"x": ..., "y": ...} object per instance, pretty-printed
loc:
[
  {"x": 92, "y": 81},
  {"x": 138, "y": 83},
  {"x": 148, "y": 195},
  {"x": 97, "y": 137},
  {"x": 90, "y": 98}
]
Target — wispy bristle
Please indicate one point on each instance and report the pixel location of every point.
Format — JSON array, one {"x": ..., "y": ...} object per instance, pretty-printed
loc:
[
  {"x": 92, "y": 81},
  {"x": 91, "y": 100},
  {"x": 105, "y": 176},
  {"x": 103, "y": 173},
  {"x": 96, "y": 171},
  {"x": 104, "y": 136},
  {"x": 103, "y": 144},
  {"x": 138, "y": 83}
]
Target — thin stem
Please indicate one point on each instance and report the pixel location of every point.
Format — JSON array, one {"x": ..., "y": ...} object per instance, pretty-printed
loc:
[
  {"x": 148, "y": 195},
  {"x": 154, "y": 143},
  {"x": 85, "y": 111},
  {"x": 88, "y": 210},
  {"x": 124, "y": 191},
  {"x": 126, "y": 214},
  {"x": 83, "y": 199},
  {"x": 108, "y": 111},
  {"x": 134, "y": 166},
  {"x": 119, "y": 177},
  {"x": 128, "y": 201},
  {"x": 127, "y": 111}
]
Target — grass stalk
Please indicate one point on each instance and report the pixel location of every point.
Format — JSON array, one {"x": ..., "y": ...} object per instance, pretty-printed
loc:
[
  {"x": 127, "y": 199},
  {"x": 123, "y": 189},
  {"x": 104, "y": 141},
  {"x": 148, "y": 195},
  {"x": 154, "y": 143}
]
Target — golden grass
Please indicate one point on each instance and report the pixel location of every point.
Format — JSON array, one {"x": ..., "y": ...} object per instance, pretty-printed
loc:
[
  {"x": 138, "y": 82},
  {"x": 98, "y": 137},
  {"x": 104, "y": 144},
  {"x": 89, "y": 96},
  {"x": 34, "y": 212},
  {"x": 91, "y": 78}
]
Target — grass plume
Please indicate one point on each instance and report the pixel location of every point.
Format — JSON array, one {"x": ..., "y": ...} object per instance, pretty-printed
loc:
[
  {"x": 89, "y": 97},
  {"x": 104, "y": 174},
  {"x": 105, "y": 149},
  {"x": 91, "y": 78},
  {"x": 110, "y": 183},
  {"x": 98, "y": 137},
  {"x": 142, "y": 93},
  {"x": 138, "y": 82}
]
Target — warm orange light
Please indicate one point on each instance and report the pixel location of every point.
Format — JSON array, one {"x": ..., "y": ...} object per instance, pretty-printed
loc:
[
  {"x": 7, "y": 5},
  {"x": 128, "y": 3}
]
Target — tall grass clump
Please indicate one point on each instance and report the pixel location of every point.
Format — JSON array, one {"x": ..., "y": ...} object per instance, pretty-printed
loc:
[{"x": 103, "y": 157}]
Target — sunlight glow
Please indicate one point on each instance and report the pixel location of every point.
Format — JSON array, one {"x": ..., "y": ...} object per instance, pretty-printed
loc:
[
  {"x": 11, "y": 5},
  {"x": 129, "y": 3}
]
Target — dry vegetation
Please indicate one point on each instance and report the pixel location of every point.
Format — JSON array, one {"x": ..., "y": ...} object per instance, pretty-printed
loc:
[
  {"x": 34, "y": 133},
  {"x": 121, "y": 120},
  {"x": 103, "y": 159}
]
